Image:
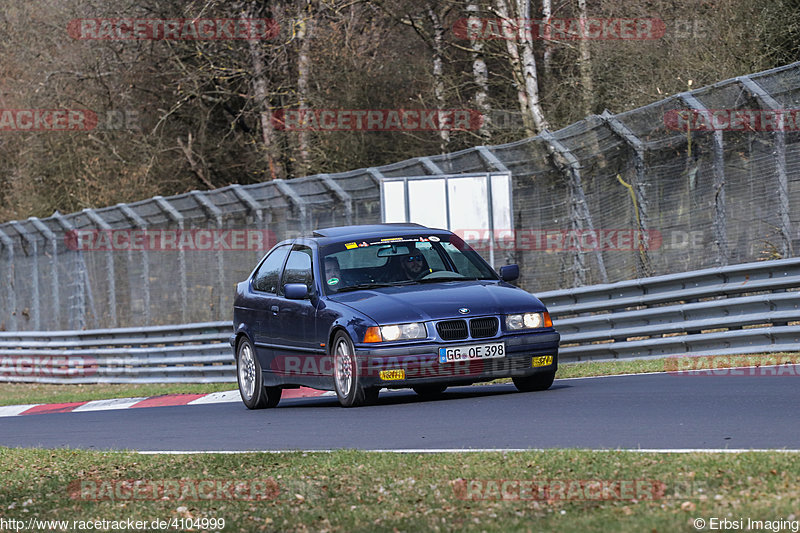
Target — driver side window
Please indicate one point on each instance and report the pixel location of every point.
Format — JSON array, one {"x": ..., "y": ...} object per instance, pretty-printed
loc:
[
  {"x": 266, "y": 279},
  {"x": 298, "y": 268}
]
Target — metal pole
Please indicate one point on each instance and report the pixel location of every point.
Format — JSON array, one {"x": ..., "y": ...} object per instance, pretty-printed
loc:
[
  {"x": 176, "y": 217},
  {"x": 111, "y": 286},
  {"x": 34, "y": 275},
  {"x": 55, "y": 286},
  {"x": 8, "y": 244}
]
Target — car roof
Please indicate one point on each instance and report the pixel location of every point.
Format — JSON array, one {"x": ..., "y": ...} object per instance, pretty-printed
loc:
[
  {"x": 337, "y": 234},
  {"x": 344, "y": 231}
]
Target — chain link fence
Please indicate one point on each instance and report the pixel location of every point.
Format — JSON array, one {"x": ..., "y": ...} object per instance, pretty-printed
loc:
[{"x": 636, "y": 192}]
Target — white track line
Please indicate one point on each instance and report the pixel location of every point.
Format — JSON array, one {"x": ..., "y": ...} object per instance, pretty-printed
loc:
[{"x": 475, "y": 450}]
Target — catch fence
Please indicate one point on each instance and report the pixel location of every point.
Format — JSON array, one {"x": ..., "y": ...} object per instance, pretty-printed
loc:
[{"x": 613, "y": 197}]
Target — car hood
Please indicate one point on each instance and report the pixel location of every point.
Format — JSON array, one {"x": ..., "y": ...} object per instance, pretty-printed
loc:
[{"x": 434, "y": 301}]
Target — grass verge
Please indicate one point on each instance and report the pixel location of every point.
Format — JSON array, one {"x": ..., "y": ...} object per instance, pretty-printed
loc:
[{"x": 362, "y": 491}]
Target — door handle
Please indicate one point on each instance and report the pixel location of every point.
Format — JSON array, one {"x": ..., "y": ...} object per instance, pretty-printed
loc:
[{"x": 274, "y": 309}]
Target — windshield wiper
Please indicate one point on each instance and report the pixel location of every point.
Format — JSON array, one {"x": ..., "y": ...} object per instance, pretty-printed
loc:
[
  {"x": 374, "y": 285},
  {"x": 444, "y": 278}
]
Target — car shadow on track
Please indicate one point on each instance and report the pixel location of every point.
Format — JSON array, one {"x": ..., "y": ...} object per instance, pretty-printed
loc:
[{"x": 407, "y": 396}]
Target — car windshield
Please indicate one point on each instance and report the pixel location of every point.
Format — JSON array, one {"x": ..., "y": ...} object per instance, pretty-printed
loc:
[{"x": 382, "y": 262}]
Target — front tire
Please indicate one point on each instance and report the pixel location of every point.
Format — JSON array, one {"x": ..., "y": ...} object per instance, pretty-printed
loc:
[
  {"x": 537, "y": 382},
  {"x": 251, "y": 385},
  {"x": 346, "y": 374}
]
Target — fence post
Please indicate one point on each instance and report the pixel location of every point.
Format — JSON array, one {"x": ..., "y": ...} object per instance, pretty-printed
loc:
[
  {"x": 216, "y": 213},
  {"x": 766, "y": 101},
  {"x": 636, "y": 145},
  {"x": 287, "y": 192},
  {"x": 140, "y": 223},
  {"x": 340, "y": 193},
  {"x": 54, "y": 284},
  {"x": 112, "y": 285},
  {"x": 8, "y": 244},
  {"x": 176, "y": 217},
  {"x": 580, "y": 216},
  {"x": 720, "y": 221},
  {"x": 77, "y": 315},
  {"x": 36, "y": 303}
]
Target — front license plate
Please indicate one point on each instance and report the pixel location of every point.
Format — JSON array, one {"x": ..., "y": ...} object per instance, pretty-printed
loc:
[
  {"x": 491, "y": 350},
  {"x": 543, "y": 360},
  {"x": 387, "y": 375}
]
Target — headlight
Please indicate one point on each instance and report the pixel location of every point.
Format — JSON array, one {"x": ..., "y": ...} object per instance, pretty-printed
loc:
[
  {"x": 396, "y": 332},
  {"x": 528, "y": 321}
]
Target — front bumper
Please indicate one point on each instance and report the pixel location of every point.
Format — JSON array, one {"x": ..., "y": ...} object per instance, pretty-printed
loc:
[{"x": 421, "y": 366}]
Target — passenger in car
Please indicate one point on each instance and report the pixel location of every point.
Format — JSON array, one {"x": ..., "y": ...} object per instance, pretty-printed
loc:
[{"x": 333, "y": 273}]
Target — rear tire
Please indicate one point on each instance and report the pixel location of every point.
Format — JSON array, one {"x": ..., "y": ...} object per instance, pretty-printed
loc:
[
  {"x": 251, "y": 385},
  {"x": 346, "y": 374},
  {"x": 536, "y": 382}
]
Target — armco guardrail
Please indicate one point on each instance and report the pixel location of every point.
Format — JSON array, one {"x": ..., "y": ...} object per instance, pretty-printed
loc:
[
  {"x": 191, "y": 353},
  {"x": 748, "y": 308}
]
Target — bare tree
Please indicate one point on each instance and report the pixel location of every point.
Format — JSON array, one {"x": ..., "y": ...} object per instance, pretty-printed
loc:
[
  {"x": 480, "y": 72},
  {"x": 437, "y": 44},
  {"x": 260, "y": 81},
  {"x": 523, "y": 65},
  {"x": 305, "y": 28},
  {"x": 585, "y": 61}
]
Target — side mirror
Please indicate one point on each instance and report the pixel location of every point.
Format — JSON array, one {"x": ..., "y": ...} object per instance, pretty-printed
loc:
[
  {"x": 509, "y": 272},
  {"x": 295, "y": 291}
]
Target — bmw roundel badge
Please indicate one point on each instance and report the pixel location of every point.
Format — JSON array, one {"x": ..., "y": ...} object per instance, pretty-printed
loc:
[{"x": 464, "y": 310}]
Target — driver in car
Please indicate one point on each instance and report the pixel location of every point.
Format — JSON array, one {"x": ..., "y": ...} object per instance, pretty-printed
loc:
[{"x": 414, "y": 265}]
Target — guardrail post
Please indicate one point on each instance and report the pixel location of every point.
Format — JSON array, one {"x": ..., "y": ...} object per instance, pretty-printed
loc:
[
  {"x": 176, "y": 217},
  {"x": 34, "y": 274},
  {"x": 624, "y": 133},
  {"x": 139, "y": 223},
  {"x": 54, "y": 284},
  {"x": 580, "y": 216},
  {"x": 112, "y": 285},
  {"x": 216, "y": 213},
  {"x": 720, "y": 221},
  {"x": 766, "y": 101},
  {"x": 8, "y": 244}
]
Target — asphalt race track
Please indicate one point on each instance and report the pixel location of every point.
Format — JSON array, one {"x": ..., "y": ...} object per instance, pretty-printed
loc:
[{"x": 656, "y": 411}]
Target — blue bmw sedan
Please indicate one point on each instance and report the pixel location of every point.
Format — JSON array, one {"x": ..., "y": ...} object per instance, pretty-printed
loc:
[{"x": 360, "y": 308}]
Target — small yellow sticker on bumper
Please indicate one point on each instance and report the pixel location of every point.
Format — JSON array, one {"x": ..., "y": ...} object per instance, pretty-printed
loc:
[
  {"x": 543, "y": 360},
  {"x": 387, "y": 375}
]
